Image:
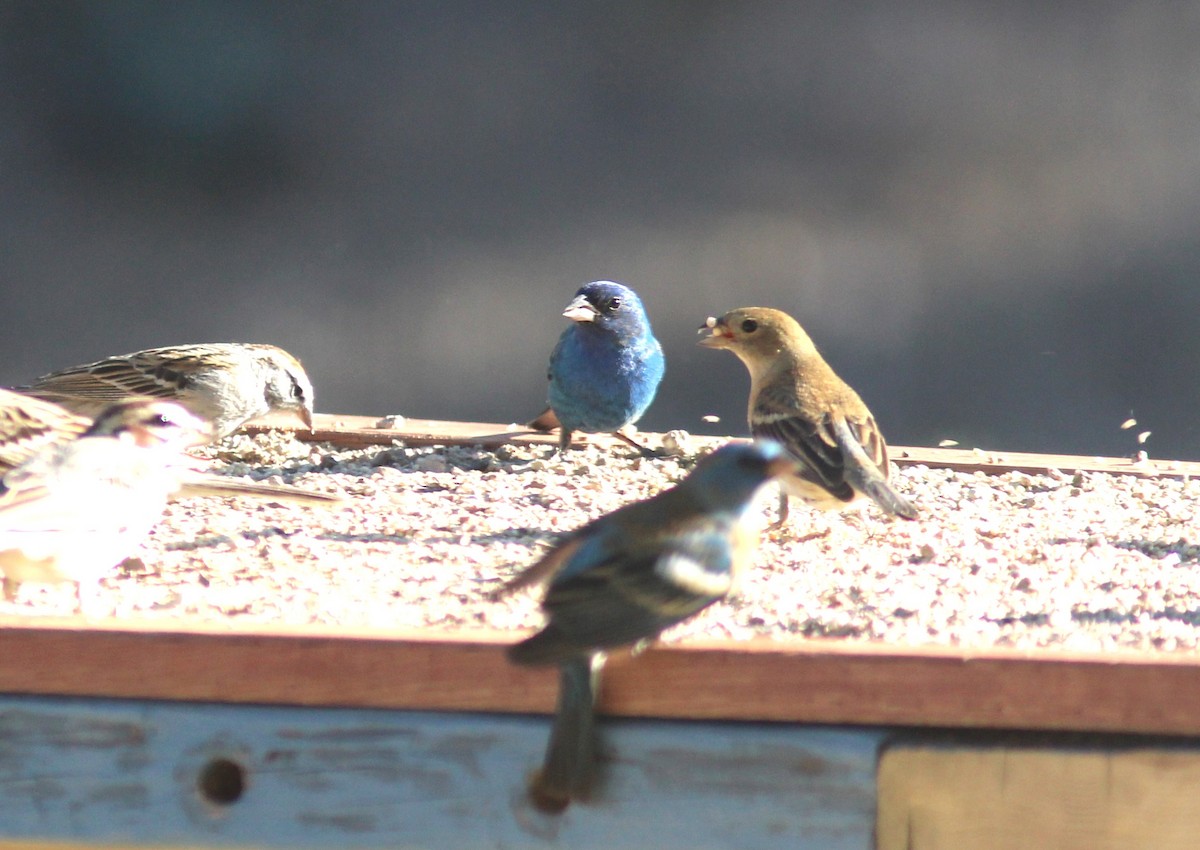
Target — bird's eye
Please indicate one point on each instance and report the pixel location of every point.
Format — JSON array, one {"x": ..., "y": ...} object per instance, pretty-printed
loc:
[
  {"x": 614, "y": 303},
  {"x": 297, "y": 391},
  {"x": 749, "y": 326}
]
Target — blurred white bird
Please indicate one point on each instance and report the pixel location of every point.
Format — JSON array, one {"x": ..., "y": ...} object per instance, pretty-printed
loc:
[
  {"x": 74, "y": 511},
  {"x": 30, "y": 425}
]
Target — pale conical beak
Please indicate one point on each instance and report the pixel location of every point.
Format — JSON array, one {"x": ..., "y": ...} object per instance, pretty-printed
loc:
[
  {"x": 306, "y": 417},
  {"x": 580, "y": 310},
  {"x": 718, "y": 336}
]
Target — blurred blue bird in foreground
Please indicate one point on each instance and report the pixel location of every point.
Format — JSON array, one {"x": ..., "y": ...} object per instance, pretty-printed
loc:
[
  {"x": 623, "y": 578},
  {"x": 606, "y": 366}
]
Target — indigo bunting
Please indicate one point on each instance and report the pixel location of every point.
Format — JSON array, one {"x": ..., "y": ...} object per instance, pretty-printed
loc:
[
  {"x": 623, "y": 578},
  {"x": 606, "y": 366},
  {"x": 797, "y": 399}
]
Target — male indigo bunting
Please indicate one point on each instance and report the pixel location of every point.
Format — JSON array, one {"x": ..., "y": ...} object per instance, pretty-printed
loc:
[
  {"x": 606, "y": 366},
  {"x": 797, "y": 399},
  {"x": 623, "y": 578}
]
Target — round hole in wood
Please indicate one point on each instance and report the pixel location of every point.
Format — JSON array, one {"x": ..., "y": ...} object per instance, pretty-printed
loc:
[{"x": 222, "y": 781}]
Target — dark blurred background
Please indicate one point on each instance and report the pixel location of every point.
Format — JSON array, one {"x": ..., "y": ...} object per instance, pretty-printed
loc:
[{"x": 984, "y": 213}]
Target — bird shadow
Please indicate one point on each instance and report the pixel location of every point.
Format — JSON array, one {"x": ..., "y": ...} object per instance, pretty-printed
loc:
[
  {"x": 1187, "y": 553},
  {"x": 1159, "y": 549},
  {"x": 529, "y": 538}
]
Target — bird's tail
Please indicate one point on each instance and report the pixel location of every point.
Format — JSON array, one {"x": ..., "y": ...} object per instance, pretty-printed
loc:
[
  {"x": 547, "y": 420},
  {"x": 864, "y": 476},
  {"x": 569, "y": 769}
]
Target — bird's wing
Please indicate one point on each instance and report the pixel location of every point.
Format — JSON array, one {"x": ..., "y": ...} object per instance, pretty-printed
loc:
[
  {"x": 154, "y": 373},
  {"x": 547, "y": 420},
  {"x": 808, "y": 440},
  {"x": 637, "y": 586},
  {"x": 106, "y": 381},
  {"x": 866, "y": 467},
  {"x": 563, "y": 340},
  {"x": 865, "y": 433},
  {"x": 541, "y": 570},
  {"x": 29, "y": 425}
]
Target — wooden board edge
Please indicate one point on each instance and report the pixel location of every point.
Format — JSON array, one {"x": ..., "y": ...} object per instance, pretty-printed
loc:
[
  {"x": 352, "y": 431},
  {"x": 801, "y": 682}
]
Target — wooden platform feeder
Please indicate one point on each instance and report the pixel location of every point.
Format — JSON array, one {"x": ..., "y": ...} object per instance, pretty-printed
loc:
[{"x": 131, "y": 736}]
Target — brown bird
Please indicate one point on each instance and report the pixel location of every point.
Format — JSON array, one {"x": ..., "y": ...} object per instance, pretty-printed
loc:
[
  {"x": 225, "y": 383},
  {"x": 798, "y": 400}
]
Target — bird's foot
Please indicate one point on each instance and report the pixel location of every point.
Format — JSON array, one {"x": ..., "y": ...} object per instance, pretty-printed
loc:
[{"x": 644, "y": 451}]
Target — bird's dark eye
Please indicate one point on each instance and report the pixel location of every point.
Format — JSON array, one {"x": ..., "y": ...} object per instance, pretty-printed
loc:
[
  {"x": 749, "y": 326},
  {"x": 614, "y": 303},
  {"x": 297, "y": 391}
]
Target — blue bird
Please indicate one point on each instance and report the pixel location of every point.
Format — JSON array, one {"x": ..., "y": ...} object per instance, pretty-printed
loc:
[
  {"x": 606, "y": 367},
  {"x": 622, "y": 579}
]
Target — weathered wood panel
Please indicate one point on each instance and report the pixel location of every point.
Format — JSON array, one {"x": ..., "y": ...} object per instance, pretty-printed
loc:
[
  {"x": 112, "y": 772},
  {"x": 1013, "y": 797}
]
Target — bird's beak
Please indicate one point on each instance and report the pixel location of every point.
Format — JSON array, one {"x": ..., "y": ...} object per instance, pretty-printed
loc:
[
  {"x": 580, "y": 310},
  {"x": 306, "y": 416},
  {"x": 719, "y": 335}
]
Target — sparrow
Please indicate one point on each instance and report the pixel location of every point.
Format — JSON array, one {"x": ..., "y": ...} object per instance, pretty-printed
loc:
[
  {"x": 29, "y": 425},
  {"x": 225, "y": 383},
  {"x": 622, "y": 579},
  {"x": 798, "y": 400},
  {"x": 75, "y": 510},
  {"x": 606, "y": 367}
]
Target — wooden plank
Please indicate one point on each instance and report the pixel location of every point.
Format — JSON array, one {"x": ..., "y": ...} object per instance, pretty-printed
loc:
[
  {"x": 803, "y": 681},
  {"x": 1015, "y": 798},
  {"x": 361, "y": 432},
  {"x": 126, "y": 773}
]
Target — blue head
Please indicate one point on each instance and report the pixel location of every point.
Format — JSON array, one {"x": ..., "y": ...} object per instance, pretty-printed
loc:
[
  {"x": 610, "y": 307},
  {"x": 728, "y": 478}
]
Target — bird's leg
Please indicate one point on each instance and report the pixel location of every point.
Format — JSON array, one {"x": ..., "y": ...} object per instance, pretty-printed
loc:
[
  {"x": 645, "y": 451},
  {"x": 783, "y": 510},
  {"x": 10, "y": 588},
  {"x": 564, "y": 440},
  {"x": 87, "y": 598}
]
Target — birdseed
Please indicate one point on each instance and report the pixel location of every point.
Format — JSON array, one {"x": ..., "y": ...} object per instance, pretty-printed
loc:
[{"x": 1083, "y": 561}]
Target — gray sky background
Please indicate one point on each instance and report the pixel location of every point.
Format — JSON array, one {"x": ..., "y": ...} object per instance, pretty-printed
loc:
[{"x": 984, "y": 213}]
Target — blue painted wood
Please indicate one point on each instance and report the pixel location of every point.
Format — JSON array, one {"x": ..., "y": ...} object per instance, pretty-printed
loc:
[{"x": 111, "y": 771}]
